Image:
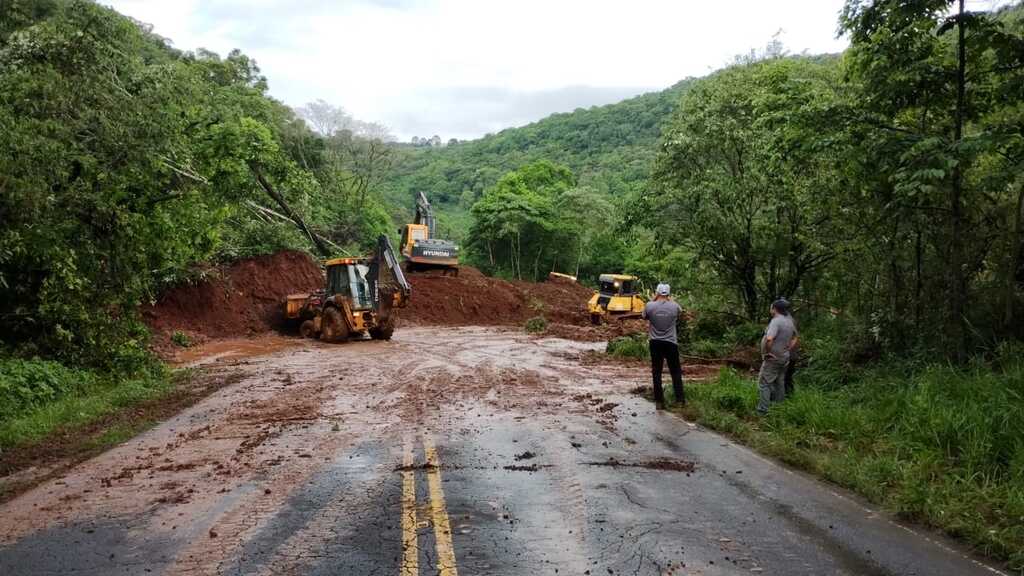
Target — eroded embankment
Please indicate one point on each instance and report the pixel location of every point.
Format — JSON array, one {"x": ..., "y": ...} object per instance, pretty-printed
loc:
[{"x": 247, "y": 298}]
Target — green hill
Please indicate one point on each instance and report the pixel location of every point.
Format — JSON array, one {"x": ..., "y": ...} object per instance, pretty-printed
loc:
[{"x": 609, "y": 148}]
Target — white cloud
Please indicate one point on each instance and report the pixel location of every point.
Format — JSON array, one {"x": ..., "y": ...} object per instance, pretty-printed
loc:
[{"x": 420, "y": 66}]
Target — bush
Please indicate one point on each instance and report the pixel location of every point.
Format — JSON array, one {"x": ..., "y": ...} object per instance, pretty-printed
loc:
[
  {"x": 745, "y": 334},
  {"x": 28, "y": 384},
  {"x": 631, "y": 346},
  {"x": 711, "y": 348},
  {"x": 710, "y": 326},
  {"x": 536, "y": 325},
  {"x": 181, "y": 339}
]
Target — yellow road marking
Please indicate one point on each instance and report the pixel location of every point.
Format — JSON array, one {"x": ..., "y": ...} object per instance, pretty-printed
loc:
[
  {"x": 442, "y": 525},
  {"x": 410, "y": 547}
]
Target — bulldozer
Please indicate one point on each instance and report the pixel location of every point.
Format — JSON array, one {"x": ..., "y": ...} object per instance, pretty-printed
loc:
[
  {"x": 618, "y": 297},
  {"x": 420, "y": 246},
  {"x": 359, "y": 299}
]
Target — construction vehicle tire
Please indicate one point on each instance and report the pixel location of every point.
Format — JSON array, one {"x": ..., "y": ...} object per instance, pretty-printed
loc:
[
  {"x": 307, "y": 329},
  {"x": 384, "y": 331},
  {"x": 333, "y": 327},
  {"x": 595, "y": 319}
]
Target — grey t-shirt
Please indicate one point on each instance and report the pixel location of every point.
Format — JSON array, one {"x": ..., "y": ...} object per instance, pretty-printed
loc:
[
  {"x": 782, "y": 330},
  {"x": 661, "y": 316}
]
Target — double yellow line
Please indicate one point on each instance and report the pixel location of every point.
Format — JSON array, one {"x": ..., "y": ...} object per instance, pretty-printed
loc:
[{"x": 438, "y": 512}]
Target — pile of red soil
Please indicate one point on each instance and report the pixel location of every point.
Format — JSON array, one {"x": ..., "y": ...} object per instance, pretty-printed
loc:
[
  {"x": 248, "y": 297},
  {"x": 474, "y": 299},
  {"x": 244, "y": 298}
]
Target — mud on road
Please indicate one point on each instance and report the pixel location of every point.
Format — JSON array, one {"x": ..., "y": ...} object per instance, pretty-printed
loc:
[{"x": 446, "y": 451}]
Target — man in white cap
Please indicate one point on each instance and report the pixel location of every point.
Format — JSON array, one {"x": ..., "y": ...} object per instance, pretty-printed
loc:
[{"x": 661, "y": 315}]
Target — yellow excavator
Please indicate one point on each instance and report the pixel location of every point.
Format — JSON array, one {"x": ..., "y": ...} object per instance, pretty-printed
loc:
[
  {"x": 420, "y": 246},
  {"x": 618, "y": 297},
  {"x": 360, "y": 298}
]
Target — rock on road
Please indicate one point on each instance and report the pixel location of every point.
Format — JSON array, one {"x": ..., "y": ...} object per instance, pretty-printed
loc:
[{"x": 446, "y": 451}]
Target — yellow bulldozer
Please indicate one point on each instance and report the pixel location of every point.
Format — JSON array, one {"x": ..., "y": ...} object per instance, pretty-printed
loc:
[
  {"x": 618, "y": 297},
  {"x": 359, "y": 299}
]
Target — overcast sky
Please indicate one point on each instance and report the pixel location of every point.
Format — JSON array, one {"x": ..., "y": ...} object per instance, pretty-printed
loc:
[{"x": 462, "y": 68}]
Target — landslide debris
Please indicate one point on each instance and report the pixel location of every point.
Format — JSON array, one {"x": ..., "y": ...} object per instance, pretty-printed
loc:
[
  {"x": 472, "y": 299},
  {"x": 247, "y": 298},
  {"x": 240, "y": 299}
]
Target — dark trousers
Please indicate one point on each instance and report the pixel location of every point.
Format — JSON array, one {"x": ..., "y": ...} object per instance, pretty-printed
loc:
[
  {"x": 793, "y": 358},
  {"x": 660, "y": 352}
]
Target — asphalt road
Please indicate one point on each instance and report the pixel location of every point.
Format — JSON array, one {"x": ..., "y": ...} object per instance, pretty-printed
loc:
[{"x": 447, "y": 451}]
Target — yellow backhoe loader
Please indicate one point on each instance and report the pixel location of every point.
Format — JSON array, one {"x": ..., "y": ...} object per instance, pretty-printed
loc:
[{"x": 359, "y": 299}]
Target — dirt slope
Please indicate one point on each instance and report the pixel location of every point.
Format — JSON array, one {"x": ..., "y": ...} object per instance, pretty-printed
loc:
[
  {"x": 247, "y": 298},
  {"x": 238, "y": 300},
  {"x": 474, "y": 299}
]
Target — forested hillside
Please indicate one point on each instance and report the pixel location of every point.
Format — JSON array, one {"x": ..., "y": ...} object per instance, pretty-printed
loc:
[{"x": 609, "y": 148}]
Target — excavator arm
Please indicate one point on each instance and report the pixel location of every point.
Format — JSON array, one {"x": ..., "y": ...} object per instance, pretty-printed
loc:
[
  {"x": 388, "y": 284},
  {"x": 425, "y": 214}
]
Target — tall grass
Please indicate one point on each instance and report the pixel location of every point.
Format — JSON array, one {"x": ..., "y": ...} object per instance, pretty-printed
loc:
[
  {"x": 938, "y": 445},
  {"x": 37, "y": 397}
]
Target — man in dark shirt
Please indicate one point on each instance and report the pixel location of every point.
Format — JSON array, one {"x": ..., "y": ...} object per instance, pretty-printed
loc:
[{"x": 661, "y": 315}]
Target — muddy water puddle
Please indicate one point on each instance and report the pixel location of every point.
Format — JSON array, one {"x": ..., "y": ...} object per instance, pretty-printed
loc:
[{"x": 233, "y": 349}]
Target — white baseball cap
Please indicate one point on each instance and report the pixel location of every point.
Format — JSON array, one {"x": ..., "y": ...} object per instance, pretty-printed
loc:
[{"x": 663, "y": 290}]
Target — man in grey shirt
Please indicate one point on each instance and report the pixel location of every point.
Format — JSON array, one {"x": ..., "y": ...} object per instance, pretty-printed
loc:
[
  {"x": 779, "y": 339},
  {"x": 661, "y": 315}
]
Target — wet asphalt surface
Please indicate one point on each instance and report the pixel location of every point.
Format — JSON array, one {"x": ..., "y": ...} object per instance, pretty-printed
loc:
[{"x": 447, "y": 451}]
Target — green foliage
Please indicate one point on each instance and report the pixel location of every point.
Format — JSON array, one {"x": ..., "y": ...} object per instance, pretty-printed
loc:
[
  {"x": 738, "y": 185},
  {"x": 181, "y": 339},
  {"x": 935, "y": 444},
  {"x": 517, "y": 218},
  {"x": 536, "y": 325},
  {"x": 87, "y": 397},
  {"x": 28, "y": 384},
  {"x": 610, "y": 148},
  {"x": 629, "y": 346},
  {"x": 125, "y": 162}
]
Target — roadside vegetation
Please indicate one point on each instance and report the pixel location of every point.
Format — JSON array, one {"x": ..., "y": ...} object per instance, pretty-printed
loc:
[{"x": 939, "y": 445}]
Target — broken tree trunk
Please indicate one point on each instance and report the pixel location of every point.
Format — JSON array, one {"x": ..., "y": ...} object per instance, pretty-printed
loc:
[{"x": 269, "y": 189}]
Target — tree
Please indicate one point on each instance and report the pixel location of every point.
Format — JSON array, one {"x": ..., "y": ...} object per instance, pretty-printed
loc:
[
  {"x": 326, "y": 118},
  {"x": 926, "y": 72},
  {"x": 732, "y": 181},
  {"x": 517, "y": 218}
]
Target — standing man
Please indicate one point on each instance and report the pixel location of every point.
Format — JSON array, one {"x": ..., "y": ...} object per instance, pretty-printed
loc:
[
  {"x": 661, "y": 315},
  {"x": 779, "y": 339}
]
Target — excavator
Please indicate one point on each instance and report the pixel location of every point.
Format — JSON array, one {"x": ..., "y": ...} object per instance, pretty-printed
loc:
[
  {"x": 359, "y": 299},
  {"x": 421, "y": 249}
]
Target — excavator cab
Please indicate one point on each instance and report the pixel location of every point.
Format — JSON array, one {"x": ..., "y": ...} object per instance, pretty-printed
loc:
[{"x": 618, "y": 297}]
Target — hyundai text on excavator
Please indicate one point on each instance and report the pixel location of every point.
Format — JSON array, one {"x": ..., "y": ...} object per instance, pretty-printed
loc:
[
  {"x": 360, "y": 298},
  {"x": 420, "y": 247},
  {"x": 618, "y": 298}
]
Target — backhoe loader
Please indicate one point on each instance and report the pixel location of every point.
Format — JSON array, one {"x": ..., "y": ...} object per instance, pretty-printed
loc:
[{"x": 359, "y": 299}]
